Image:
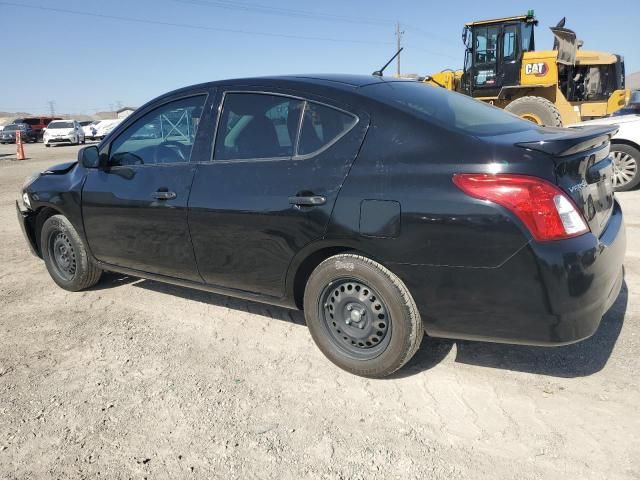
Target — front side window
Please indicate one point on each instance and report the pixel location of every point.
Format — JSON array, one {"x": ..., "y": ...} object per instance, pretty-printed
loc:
[
  {"x": 164, "y": 135},
  {"x": 321, "y": 126},
  {"x": 255, "y": 125}
]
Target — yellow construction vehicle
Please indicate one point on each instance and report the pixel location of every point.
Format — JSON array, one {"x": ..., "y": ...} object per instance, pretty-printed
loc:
[{"x": 549, "y": 87}]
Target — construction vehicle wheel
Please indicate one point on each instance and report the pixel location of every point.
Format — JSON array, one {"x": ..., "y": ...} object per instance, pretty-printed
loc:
[{"x": 538, "y": 110}]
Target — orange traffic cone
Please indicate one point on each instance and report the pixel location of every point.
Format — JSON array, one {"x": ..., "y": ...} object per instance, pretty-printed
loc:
[{"x": 19, "y": 146}]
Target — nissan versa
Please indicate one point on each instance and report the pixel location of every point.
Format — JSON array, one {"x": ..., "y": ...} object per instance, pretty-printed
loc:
[{"x": 383, "y": 208}]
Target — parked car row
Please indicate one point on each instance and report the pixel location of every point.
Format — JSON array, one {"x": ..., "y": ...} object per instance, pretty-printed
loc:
[
  {"x": 55, "y": 130},
  {"x": 37, "y": 124}
]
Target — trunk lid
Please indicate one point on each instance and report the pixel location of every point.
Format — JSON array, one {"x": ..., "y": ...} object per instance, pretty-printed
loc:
[{"x": 583, "y": 168}]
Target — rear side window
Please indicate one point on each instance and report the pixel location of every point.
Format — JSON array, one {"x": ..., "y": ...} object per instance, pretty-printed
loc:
[
  {"x": 450, "y": 110},
  {"x": 164, "y": 135},
  {"x": 321, "y": 126},
  {"x": 259, "y": 126},
  {"x": 256, "y": 126}
]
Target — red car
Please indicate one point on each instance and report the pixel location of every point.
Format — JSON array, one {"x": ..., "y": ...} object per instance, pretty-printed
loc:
[{"x": 38, "y": 124}]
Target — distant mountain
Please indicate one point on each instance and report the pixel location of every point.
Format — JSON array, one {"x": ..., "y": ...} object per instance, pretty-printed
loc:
[{"x": 633, "y": 81}]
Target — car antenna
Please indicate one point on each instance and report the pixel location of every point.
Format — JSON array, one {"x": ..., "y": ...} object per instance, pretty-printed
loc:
[{"x": 378, "y": 73}]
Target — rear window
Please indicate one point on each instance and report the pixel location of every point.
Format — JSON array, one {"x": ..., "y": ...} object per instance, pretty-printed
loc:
[
  {"x": 32, "y": 121},
  {"x": 450, "y": 110}
]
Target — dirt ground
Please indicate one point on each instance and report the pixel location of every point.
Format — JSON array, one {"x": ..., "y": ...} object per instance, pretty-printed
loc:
[{"x": 136, "y": 379}]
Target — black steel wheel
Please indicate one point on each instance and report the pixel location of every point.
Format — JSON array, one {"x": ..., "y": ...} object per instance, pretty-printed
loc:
[
  {"x": 361, "y": 315},
  {"x": 356, "y": 317},
  {"x": 65, "y": 255}
]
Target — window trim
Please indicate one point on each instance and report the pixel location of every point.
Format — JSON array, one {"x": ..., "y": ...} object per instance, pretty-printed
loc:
[
  {"x": 142, "y": 114},
  {"x": 295, "y": 155}
]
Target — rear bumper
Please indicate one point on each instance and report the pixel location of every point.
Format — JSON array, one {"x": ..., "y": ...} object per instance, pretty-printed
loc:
[{"x": 552, "y": 293}]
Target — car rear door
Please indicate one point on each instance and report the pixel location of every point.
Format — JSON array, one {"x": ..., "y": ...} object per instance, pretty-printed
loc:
[
  {"x": 135, "y": 207},
  {"x": 271, "y": 185}
]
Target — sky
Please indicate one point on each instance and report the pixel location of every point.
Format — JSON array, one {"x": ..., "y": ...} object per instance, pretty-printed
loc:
[{"x": 90, "y": 56}]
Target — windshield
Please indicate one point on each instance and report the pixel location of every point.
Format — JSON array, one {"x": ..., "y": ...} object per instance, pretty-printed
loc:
[
  {"x": 450, "y": 110},
  {"x": 60, "y": 125},
  {"x": 11, "y": 128}
]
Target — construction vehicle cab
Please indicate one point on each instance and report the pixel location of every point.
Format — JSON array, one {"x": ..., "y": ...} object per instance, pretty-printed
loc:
[{"x": 552, "y": 87}]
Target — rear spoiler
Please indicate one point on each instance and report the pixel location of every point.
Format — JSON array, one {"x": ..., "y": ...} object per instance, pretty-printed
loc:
[{"x": 569, "y": 141}]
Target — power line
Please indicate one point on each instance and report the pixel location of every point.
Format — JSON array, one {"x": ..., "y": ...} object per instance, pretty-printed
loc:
[
  {"x": 190, "y": 26},
  {"x": 286, "y": 12}
]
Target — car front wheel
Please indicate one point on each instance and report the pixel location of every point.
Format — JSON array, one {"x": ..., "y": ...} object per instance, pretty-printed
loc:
[
  {"x": 362, "y": 316},
  {"x": 65, "y": 256}
]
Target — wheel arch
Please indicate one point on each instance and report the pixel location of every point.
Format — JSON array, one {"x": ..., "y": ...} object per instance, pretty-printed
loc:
[
  {"x": 625, "y": 141},
  {"x": 308, "y": 260},
  {"x": 39, "y": 217}
]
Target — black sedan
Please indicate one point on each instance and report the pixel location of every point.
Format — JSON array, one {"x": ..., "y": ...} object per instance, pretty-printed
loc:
[
  {"x": 383, "y": 208},
  {"x": 8, "y": 133}
]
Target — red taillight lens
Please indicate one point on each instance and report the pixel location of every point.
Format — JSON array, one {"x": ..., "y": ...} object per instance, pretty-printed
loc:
[{"x": 545, "y": 209}]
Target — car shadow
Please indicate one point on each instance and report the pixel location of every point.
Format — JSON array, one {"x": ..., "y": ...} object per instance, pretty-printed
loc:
[
  {"x": 576, "y": 360},
  {"x": 209, "y": 298}
]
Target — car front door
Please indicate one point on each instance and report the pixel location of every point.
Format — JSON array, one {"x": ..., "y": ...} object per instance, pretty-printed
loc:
[
  {"x": 279, "y": 162},
  {"x": 135, "y": 205}
]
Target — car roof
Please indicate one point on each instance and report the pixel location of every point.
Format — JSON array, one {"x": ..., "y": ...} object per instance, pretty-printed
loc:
[{"x": 344, "y": 82}]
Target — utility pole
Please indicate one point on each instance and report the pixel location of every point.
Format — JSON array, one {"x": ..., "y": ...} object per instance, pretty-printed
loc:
[
  {"x": 399, "y": 34},
  {"x": 52, "y": 108}
]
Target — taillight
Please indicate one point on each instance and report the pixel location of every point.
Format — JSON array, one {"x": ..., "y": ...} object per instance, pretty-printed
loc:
[{"x": 545, "y": 209}]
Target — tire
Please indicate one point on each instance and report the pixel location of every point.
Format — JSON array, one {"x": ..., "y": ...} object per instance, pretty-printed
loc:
[
  {"x": 372, "y": 344},
  {"x": 537, "y": 110},
  {"x": 65, "y": 255},
  {"x": 47, "y": 145},
  {"x": 626, "y": 167}
]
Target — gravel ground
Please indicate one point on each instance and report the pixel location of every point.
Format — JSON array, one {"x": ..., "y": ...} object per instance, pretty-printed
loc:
[{"x": 136, "y": 379}]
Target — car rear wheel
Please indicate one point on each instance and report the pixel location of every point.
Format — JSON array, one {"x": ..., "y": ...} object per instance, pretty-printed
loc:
[
  {"x": 626, "y": 175},
  {"x": 362, "y": 316},
  {"x": 65, "y": 256}
]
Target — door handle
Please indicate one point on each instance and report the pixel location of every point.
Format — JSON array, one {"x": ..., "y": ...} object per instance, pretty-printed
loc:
[
  {"x": 308, "y": 201},
  {"x": 160, "y": 195}
]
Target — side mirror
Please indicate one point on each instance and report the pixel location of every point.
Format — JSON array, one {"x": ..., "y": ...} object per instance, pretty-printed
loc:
[{"x": 89, "y": 157}]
